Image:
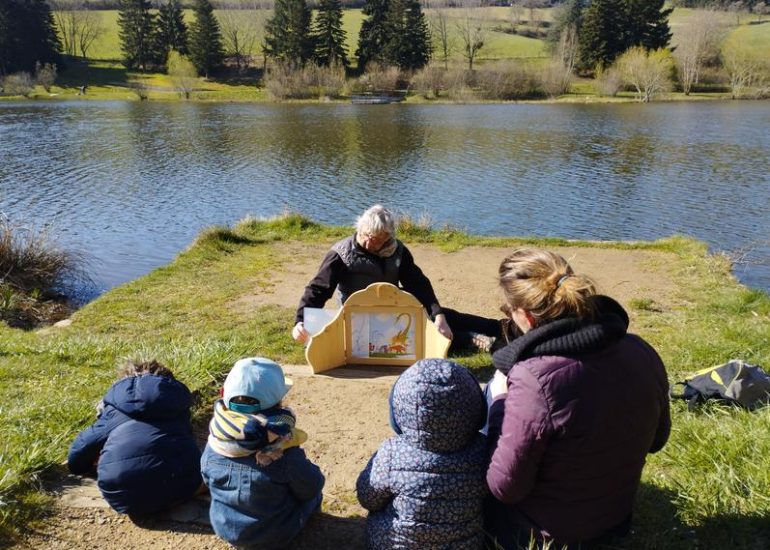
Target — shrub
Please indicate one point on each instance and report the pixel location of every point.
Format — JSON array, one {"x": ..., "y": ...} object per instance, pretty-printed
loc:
[
  {"x": 508, "y": 81},
  {"x": 429, "y": 81},
  {"x": 459, "y": 84},
  {"x": 18, "y": 84},
  {"x": 648, "y": 72},
  {"x": 182, "y": 73},
  {"x": 379, "y": 78},
  {"x": 608, "y": 82},
  {"x": 45, "y": 75},
  {"x": 556, "y": 79},
  {"x": 285, "y": 82},
  {"x": 329, "y": 80},
  {"x": 748, "y": 70},
  {"x": 30, "y": 260}
]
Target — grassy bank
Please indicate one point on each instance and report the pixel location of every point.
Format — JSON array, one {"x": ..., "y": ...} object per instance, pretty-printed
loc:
[{"x": 709, "y": 488}]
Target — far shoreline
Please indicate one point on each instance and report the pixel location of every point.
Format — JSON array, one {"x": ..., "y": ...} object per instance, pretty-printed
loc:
[{"x": 567, "y": 99}]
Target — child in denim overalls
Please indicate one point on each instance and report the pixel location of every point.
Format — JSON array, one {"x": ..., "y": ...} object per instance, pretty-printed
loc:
[{"x": 263, "y": 488}]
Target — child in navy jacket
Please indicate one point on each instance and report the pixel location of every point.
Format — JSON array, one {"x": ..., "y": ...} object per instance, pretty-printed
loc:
[{"x": 141, "y": 446}]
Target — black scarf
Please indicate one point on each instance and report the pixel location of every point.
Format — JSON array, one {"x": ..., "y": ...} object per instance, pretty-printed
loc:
[{"x": 567, "y": 337}]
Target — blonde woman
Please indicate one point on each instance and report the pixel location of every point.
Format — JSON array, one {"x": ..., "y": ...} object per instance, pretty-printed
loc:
[{"x": 578, "y": 402}]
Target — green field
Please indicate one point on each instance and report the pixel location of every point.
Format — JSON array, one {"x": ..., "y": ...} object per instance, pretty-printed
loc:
[
  {"x": 500, "y": 45},
  {"x": 711, "y": 484}
]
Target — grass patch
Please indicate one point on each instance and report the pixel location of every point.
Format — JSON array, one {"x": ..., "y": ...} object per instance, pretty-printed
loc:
[{"x": 709, "y": 488}]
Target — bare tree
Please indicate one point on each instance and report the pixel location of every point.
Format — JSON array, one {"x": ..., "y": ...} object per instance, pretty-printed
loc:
[
  {"x": 91, "y": 29},
  {"x": 242, "y": 23},
  {"x": 557, "y": 76},
  {"x": 471, "y": 31},
  {"x": 441, "y": 33},
  {"x": 534, "y": 15},
  {"x": 79, "y": 27},
  {"x": 649, "y": 72},
  {"x": 761, "y": 9},
  {"x": 696, "y": 39},
  {"x": 738, "y": 8},
  {"x": 517, "y": 11}
]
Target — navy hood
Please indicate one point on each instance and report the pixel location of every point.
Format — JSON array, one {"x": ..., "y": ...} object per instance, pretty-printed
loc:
[
  {"x": 437, "y": 405},
  {"x": 149, "y": 397}
]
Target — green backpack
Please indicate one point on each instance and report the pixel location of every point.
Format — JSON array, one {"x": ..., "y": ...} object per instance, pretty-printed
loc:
[{"x": 735, "y": 382}]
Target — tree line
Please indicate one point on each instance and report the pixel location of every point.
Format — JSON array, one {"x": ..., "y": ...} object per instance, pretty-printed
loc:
[{"x": 590, "y": 37}]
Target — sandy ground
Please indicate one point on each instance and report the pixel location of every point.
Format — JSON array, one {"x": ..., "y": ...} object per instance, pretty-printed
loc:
[{"x": 345, "y": 412}]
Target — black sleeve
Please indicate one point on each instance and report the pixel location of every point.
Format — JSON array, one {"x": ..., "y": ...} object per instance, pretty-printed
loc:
[
  {"x": 414, "y": 281},
  {"x": 323, "y": 285}
]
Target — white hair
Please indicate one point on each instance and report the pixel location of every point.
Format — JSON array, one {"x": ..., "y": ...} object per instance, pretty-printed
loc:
[{"x": 376, "y": 221}]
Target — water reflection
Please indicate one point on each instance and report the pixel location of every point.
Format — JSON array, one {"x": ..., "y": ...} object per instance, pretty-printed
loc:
[{"x": 133, "y": 182}]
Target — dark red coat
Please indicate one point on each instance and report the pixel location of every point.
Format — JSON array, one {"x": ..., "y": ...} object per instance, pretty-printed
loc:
[{"x": 571, "y": 438}]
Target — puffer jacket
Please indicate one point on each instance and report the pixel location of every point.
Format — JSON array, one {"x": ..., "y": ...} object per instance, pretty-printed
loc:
[
  {"x": 424, "y": 488},
  {"x": 144, "y": 445},
  {"x": 586, "y": 402}
]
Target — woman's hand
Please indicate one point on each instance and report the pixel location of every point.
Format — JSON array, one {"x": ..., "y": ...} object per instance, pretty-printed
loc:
[
  {"x": 443, "y": 326},
  {"x": 300, "y": 333},
  {"x": 498, "y": 386}
]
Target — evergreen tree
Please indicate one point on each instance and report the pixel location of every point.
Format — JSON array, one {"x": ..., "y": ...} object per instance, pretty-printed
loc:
[
  {"x": 172, "y": 30},
  {"x": 6, "y": 38},
  {"x": 603, "y": 34},
  {"x": 408, "y": 43},
  {"x": 373, "y": 36},
  {"x": 647, "y": 24},
  {"x": 287, "y": 33},
  {"x": 329, "y": 35},
  {"x": 136, "y": 29},
  {"x": 27, "y": 35},
  {"x": 205, "y": 43},
  {"x": 610, "y": 27}
]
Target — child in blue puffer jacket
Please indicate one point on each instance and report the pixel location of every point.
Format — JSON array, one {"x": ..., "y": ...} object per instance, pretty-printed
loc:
[
  {"x": 424, "y": 487},
  {"x": 141, "y": 446}
]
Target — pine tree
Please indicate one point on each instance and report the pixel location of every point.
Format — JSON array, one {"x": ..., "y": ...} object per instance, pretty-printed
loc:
[
  {"x": 647, "y": 24},
  {"x": 287, "y": 33},
  {"x": 205, "y": 43},
  {"x": 603, "y": 34},
  {"x": 373, "y": 36},
  {"x": 329, "y": 35},
  {"x": 6, "y": 38},
  {"x": 27, "y": 35},
  {"x": 172, "y": 30},
  {"x": 408, "y": 43},
  {"x": 137, "y": 38}
]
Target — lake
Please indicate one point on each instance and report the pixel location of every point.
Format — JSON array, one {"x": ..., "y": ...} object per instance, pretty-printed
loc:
[{"x": 132, "y": 183}]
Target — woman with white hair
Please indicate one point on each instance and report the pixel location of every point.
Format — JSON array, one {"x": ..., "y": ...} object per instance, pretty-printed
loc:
[{"x": 374, "y": 255}]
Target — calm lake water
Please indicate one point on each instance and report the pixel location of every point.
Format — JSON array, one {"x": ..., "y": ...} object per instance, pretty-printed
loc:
[{"x": 131, "y": 183}]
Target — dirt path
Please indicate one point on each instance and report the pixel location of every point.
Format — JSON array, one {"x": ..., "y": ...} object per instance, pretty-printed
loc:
[{"x": 344, "y": 413}]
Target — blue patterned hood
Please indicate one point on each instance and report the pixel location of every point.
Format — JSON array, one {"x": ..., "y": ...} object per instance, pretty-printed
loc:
[{"x": 437, "y": 405}]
